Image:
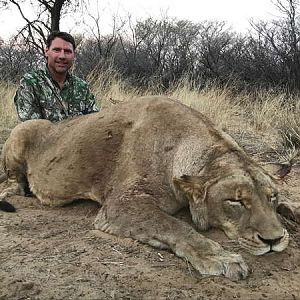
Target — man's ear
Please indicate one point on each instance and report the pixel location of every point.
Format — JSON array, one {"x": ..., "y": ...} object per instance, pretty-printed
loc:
[
  {"x": 192, "y": 186},
  {"x": 46, "y": 52}
]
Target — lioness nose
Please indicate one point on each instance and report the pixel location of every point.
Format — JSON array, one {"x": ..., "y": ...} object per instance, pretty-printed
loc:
[{"x": 270, "y": 242}]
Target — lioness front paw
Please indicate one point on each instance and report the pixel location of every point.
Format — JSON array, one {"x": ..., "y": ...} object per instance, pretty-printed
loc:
[
  {"x": 233, "y": 266},
  {"x": 228, "y": 264}
]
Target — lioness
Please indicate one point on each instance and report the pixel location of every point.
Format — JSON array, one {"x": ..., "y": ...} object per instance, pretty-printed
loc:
[{"x": 143, "y": 161}]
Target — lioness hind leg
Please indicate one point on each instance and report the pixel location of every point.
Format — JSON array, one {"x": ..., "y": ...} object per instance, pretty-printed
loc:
[{"x": 138, "y": 217}]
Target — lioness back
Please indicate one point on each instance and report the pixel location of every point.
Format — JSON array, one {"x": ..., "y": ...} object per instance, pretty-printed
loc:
[{"x": 86, "y": 150}]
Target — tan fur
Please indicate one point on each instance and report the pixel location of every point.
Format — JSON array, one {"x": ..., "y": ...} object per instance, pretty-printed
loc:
[{"x": 143, "y": 161}]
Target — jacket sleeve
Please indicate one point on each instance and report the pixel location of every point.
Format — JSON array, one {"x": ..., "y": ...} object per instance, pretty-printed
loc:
[
  {"x": 26, "y": 102},
  {"x": 90, "y": 103}
]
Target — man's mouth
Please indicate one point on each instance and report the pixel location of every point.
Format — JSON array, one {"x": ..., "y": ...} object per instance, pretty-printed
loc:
[{"x": 60, "y": 64}]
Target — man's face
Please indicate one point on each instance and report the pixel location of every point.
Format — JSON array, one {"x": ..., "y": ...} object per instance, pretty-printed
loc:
[{"x": 60, "y": 56}]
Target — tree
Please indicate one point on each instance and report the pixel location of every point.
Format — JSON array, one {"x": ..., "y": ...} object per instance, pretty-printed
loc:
[
  {"x": 282, "y": 38},
  {"x": 48, "y": 14},
  {"x": 15, "y": 60}
]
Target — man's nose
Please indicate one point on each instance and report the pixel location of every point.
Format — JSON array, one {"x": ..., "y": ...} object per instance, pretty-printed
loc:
[{"x": 62, "y": 54}]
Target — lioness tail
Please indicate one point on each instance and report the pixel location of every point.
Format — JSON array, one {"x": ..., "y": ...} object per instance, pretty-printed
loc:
[{"x": 5, "y": 206}]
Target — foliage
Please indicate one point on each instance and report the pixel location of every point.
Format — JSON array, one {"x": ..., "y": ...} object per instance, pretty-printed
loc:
[
  {"x": 48, "y": 14},
  {"x": 161, "y": 52}
]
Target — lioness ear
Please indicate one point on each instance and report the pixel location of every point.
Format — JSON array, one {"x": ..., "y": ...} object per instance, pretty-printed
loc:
[
  {"x": 191, "y": 185},
  {"x": 196, "y": 190}
]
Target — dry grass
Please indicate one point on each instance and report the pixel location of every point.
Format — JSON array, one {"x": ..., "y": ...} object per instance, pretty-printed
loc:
[
  {"x": 264, "y": 123},
  {"x": 8, "y": 116},
  {"x": 109, "y": 88},
  {"x": 214, "y": 102}
]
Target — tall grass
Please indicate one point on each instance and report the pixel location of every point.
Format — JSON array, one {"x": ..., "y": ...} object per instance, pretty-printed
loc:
[
  {"x": 265, "y": 123},
  {"x": 216, "y": 103},
  {"x": 8, "y": 116},
  {"x": 108, "y": 87}
]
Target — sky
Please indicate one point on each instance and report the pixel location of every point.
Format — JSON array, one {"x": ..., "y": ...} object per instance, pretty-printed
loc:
[{"x": 236, "y": 13}]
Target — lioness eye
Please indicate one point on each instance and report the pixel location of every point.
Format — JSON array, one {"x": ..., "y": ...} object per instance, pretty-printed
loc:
[
  {"x": 237, "y": 203},
  {"x": 273, "y": 198}
]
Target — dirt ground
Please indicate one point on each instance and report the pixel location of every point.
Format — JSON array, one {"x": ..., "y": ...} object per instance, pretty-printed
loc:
[{"x": 54, "y": 253}]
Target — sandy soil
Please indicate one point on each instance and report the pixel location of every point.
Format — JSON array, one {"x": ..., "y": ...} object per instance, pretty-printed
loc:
[{"x": 48, "y": 253}]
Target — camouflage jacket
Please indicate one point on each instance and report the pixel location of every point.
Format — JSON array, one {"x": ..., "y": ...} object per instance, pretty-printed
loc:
[{"x": 40, "y": 97}]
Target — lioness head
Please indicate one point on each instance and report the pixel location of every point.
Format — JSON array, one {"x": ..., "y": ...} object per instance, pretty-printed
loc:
[{"x": 242, "y": 205}]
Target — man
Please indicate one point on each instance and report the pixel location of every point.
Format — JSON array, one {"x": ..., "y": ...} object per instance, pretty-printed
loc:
[{"x": 52, "y": 92}]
